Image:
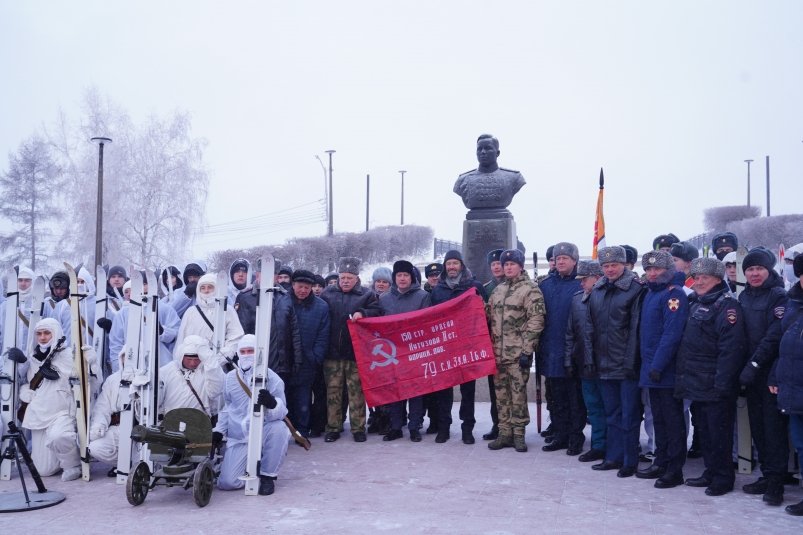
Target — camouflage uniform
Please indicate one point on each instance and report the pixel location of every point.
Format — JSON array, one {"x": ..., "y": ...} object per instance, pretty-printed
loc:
[
  {"x": 516, "y": 318},
  {"x": 336, "y": 372}
]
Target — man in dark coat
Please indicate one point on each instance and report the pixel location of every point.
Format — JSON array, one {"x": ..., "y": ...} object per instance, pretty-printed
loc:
[
  {"x": 455, "y": 279},
  {"x": 763, "y": 301},
  {"x": 312, "y": 314},
  {"x": 567, "y": 412},
  {"x": 348, "y": 301},
  {"x": 614, "y": 308},
  {"x": 405, "y": 295},
  {"x": 711, "y": 354},
  {"x": 663, "y": 318}
]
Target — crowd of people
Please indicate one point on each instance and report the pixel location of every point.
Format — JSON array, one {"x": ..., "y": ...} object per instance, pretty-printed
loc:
[{"x": 671, "y": 349}]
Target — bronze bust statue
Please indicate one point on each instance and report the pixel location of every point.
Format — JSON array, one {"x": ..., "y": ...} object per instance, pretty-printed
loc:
[{"x": 489, "y": 187}]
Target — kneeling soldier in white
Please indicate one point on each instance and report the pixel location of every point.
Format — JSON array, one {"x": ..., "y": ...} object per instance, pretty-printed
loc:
[
  {"x": 234, "y": 421},
  {"x": 104, "y": 437}
]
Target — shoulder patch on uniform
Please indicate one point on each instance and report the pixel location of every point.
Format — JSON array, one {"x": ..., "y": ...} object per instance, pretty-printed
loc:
[
  {"x": 731, "y": 315},
  {"x": 467, "y": 172},
  {"x": 508, "y": 170},
  {"x": 673, "y": 304},
  {"x": 778, "y": 312}
]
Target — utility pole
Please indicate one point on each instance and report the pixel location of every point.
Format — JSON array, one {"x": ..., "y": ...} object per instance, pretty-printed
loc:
[
  {"x": 367, "y": 199},
  {"x": 331, "y": 229},
  {"x": 768, "y": 186},
  {"x": 402, "y": 196},
  {"x": 101, "y": 141},
  {"x": 748, "y": 162}
]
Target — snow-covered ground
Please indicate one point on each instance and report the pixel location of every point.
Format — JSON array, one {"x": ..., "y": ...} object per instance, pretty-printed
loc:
[{"x": 404, "y": 487}]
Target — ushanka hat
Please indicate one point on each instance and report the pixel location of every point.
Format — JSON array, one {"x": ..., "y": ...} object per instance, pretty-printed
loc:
[
  {"x": 494, "y": 255},
  {"x": 614, "y": 253},
  {"x": 512, "y": 255},
  {"x": 302, "y": 275},
  {"x": 588, "y": 268},
  {"x": 684, "y": 250},
  {"x": 657, "y": 259},
  {"x": 349, "y": 264},
  {"x": 708, "y": 266},
  {"x": 566, "y": 249},
  {"x": 664, "y": 240}
]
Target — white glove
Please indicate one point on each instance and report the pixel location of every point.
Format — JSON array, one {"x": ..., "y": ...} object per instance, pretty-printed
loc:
[
  {"x": 26, "y": 394},
  {"x": 89, "y": 355},
  {"x": 97, "y": 432}
]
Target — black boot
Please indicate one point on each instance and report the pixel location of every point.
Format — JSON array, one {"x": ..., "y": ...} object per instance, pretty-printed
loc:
[
  {"x": 758, "y": 486},
  {"x": 796, "y": 509},
  {"x": 695, "y": 451},
  {"x": 492, "y": 434},
  {"x": 774, "y": 493},
  {"x": 266, "y": 486}
]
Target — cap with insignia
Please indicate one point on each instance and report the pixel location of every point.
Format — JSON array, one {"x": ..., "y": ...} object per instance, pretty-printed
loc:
[
  {"x": 708, "y": 266},
  {"x": 614, "y": 253},
  {"x": 349, "y": 264},
  {"x": 432, "y": 270},
  {"x": 657, "y": 259},
  {"x": 494, "y": 255},
  {"x": 566, "y": 249},
  {"x": 588, "y": 268}
]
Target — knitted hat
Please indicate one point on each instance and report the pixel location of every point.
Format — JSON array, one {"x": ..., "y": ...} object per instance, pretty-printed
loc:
[
  {"x": 453, "y": 255},
  {"x": 494, "y": 255},
  {"x": 302, "y": 275},
  {"x": 708, "y": 266},
  {"x": 664, "y": 240},
  {"x": 117, "y": 270},
  {"x": 403, "y": 266},
  {"x": 631, "y": 254},
  {"x": 759, "y": 256},
  {"x": 349, "y": 264},
  {"x": 566, "y": 249},
  {"x": 614, "y": 253},
  {"x": 549, "y": 252},
  {"x": 657, "y": 259},
  {"x": 797, "y": 265},
  {"x": 513, "y": 255},
  {"x": 433, "y": 269},
  {"x": 684, "y": 250},
  {"x": 285, "y": 270},
  {"x": 382, "y": 274},
  {"x": 588, "y": 268}
]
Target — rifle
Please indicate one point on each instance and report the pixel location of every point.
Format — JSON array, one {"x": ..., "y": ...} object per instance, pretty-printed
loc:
[
  {"x": 538, "y": 397},
  {"x": 44, "y": 372}
]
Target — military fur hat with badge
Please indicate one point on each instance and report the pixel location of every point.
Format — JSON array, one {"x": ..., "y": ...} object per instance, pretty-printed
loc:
[{"x": 349, "y": 264}]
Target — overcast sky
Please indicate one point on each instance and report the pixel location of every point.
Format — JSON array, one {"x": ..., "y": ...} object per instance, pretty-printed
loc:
[{"x": 669, "y": 97}]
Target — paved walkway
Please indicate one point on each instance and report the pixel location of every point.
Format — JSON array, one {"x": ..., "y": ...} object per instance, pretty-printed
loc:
[{"x": 403, "y": 487}]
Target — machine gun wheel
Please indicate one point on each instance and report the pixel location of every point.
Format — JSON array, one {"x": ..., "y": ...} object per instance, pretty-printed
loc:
[
  {"x": 138, "y": 483},
  {"x": 203, "y": 482}
]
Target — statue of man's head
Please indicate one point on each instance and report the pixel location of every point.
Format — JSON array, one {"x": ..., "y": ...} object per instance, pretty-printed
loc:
[{"x": 487, "y": 152}]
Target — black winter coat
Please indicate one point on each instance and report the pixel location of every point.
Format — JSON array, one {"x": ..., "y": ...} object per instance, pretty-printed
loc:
[
  {"x": 763, "y": 309},
  {"x": 788, "y": 372},
  {"x": 611, "y": 334},
  {"x": 341, "y": 305},
  {"x": 313, "y": 325},
  {"x": 713, "y": 349},
  {"x": 286, "y": 353},
  {"x": 576, "y": 325}
]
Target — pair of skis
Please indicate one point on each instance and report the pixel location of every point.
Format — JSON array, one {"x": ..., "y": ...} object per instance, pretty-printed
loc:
[
  {"x": 80, "y": 379},
  {"x": 10, "y": 371},
  {"x": 139, "y": 383}
]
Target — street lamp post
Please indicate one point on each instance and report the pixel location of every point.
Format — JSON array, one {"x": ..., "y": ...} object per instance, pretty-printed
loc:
[
  {"x": 101, "y": 141},
  {"x": 748, "y": 162},
  {"x": 402, "y": 196},
  {"x": 325, "y": 187},
  {"x": 331, "y": 229}
]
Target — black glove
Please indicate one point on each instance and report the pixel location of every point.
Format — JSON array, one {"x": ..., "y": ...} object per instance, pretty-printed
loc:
[
  {"x": 14, "y": 354},
  {"x": 589, "y": 370},
  {"x": 266, "y": 399},
  {"x": 189, "y": 291},
  {"x": 217, "y": 439},
  {"x": 525, "y": 361},
  {"x": 569, "y": 371},
  {"x": 105, "y": 324},
  {"x": 48, "y": 372},
  {"x": 748, "y": 375},
  {"x": 655, "y": 376}
]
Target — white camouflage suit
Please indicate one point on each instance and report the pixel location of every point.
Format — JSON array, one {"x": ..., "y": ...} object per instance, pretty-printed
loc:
[
  {"x": 50, "y": 415},
  {"x": 206, "y": 379},
  {"x": 234, "y": 422}
]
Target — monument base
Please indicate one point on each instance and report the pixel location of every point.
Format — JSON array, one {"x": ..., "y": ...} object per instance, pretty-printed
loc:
[{"x": 480, "y": 236}]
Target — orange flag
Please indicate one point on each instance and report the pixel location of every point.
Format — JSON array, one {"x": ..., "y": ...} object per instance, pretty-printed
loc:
[{"x": 599, "y": 223}]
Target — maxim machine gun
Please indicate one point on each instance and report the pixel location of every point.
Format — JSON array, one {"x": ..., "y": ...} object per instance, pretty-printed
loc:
[{"x": 182, "y": 450}]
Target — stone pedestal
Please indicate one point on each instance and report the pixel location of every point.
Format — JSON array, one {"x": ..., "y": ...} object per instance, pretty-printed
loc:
[{"x": 484, "y": 231}]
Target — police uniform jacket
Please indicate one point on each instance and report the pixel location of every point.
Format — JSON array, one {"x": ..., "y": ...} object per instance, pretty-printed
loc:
[
  {"x": 763, "y": 309},
  {"x": 787, "y": 374},
  {"x": 558, "y": 293},
  {"x": 713, "y": 348}
]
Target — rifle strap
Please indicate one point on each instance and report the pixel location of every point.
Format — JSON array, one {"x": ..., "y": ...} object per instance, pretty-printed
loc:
[
  {"x": 243, "y": 385},
  {"x": 194, "y": 393},
  {"x": 201, "y": 312},
  {"x": 22, "y": 318}
]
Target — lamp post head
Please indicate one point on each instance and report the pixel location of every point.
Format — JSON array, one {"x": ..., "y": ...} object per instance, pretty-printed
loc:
[
  {"x": 330, "y": 151},
  {"x": 101, "y": 140}
]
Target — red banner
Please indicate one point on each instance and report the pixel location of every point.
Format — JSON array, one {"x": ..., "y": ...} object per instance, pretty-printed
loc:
[{"x": 411, "y": 354}]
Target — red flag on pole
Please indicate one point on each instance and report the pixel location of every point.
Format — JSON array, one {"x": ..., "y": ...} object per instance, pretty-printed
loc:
[
  {"x": 411, "y": 354},
  {"x": 781, "y": 256},
  {"x": 599, "y": 222}
]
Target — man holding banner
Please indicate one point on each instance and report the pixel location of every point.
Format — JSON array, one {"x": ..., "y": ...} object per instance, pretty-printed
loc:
[{"x": 516, "y": 317}]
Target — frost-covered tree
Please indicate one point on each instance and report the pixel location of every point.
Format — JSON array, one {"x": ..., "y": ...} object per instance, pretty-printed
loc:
[
  {"x": 29, "y": 191},
  {"x": 155, "y": 183}
]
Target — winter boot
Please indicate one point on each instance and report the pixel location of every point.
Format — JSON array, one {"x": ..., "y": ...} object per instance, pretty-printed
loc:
[
  {"x": 519, "y": 444},
  {"x": 759, "y": 486},
  {"x": 266, "y": 486},
  {"x": 796, "y": 509},
  {"x": 492, "y": 434},
  {"x": 504, "y": 440},
  {"x": 774, "y": 493}
]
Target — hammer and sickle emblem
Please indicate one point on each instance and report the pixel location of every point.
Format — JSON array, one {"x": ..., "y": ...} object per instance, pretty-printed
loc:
[{"x": 390, "y": 358}]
